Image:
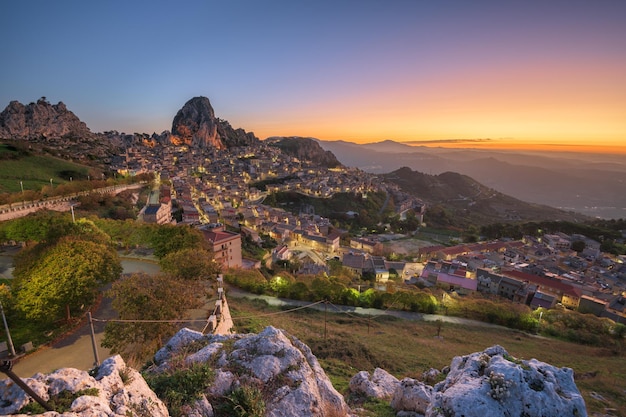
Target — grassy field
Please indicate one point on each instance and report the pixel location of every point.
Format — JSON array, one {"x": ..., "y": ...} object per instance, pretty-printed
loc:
[
  {"x": 345, "y": 345},
  {"x": 34, "y": 171}
]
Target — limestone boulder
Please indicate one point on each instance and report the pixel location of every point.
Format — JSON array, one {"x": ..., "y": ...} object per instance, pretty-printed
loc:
[
  {"x": 380, "y": 384},
  {"x": 493, "y": 383}
]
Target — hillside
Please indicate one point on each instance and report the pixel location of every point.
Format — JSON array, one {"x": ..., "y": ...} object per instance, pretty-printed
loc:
[
  {"x": 20, "y": 167},
  {"x": 305, "y": 149},
  {"x": 461, "y": 201}
]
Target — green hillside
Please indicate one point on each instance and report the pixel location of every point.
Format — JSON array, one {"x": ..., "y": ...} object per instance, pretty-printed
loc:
[{"x": 34, "y": 171}]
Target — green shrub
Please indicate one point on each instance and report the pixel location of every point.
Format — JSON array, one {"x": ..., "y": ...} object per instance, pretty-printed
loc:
[
  {"x": 180, "y": 387},
  {"x": 60, "y": 403},
  {"x": 245, "y": 401}
]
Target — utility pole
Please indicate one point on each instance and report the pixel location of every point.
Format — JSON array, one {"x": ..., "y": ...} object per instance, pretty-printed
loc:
[
  {"x": 325, "y": 307},
  {"x": 6, "y": 328},
  {"x": 93, "y": 341}
]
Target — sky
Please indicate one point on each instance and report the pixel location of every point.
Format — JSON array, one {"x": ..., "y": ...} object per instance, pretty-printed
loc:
[{"x": 498, "y": 73}]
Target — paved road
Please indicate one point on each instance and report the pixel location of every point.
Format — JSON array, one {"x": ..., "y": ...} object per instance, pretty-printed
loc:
[{"x": 74, "y": 351}]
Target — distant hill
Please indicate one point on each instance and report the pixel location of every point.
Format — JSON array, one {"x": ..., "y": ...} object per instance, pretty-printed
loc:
[
  {"x": 593, "y": 184},
  {"x": 305, "y": 149},
  {"x": 459, "y": 201}
]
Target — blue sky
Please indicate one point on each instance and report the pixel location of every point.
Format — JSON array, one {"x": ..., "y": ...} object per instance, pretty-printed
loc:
[{"x": 354, "y": 70}]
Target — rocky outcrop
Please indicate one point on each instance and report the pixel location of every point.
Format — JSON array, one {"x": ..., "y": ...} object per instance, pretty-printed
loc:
[
  {"x": 234, "y": 137},
  {"x": 305, "y": 149},
  {"x": 283, "y": 368},
  {"x": 40, "y": 120},
  {"x": 114, "y": 390},
  {"x": 195, "y": 125},
  {"x": 493, "y": 384}
]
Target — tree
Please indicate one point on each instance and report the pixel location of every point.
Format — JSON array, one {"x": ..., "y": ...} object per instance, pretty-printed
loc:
[
  {"x": 65, "y": 277},
  {"x": 148, "y": 297},
  {"x": 165, "y": 239},
  {"x": 190, "y": 264},
  {"x": 42, "y": 226}
]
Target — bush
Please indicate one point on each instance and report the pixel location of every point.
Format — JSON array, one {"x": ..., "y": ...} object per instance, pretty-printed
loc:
[
  {"x": 245, "y": 401},
  {"x": 182, "y": 386}
]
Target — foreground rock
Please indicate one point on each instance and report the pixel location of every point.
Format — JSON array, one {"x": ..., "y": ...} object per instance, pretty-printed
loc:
[
  {"x": 492, "y": 384},
  {"x": 381, "y": 384},
  {"x": 281, "y": 367},
  {"x": 281, "y": 370},
  {"x": 115, "y": 390}
]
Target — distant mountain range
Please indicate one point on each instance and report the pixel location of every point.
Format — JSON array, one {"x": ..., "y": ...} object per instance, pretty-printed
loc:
[
  {"x": 457, "y": 200},
  {"x": 593, "y": 184}
]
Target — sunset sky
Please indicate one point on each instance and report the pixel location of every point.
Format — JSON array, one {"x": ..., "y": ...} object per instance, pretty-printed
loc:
[{"x": 517, "y": 73}]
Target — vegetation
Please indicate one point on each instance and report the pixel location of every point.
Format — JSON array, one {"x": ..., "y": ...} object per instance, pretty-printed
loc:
[
  {"x": 165, "y": 239},
  {"x": 244, "y": 401},
  {"x": 181, "y": 386},
  {"x": 149, "y": 307},
  {"x": 564, "y": 324},
  {"x": 190, "y": 264},
  {"x": 65, "y": 278},
  {"x": 63, "y": 271},
  {"x": 26, "y": 177},
  {"x": 60, "y": 403},
  {"x": 262, "y": 185}
]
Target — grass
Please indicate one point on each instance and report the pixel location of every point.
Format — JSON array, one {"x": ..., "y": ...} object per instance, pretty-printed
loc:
[
  {"x": 34, "y": 171},
  {"x": 345, "y": 345},
  {"x": 60, "y": 403}
]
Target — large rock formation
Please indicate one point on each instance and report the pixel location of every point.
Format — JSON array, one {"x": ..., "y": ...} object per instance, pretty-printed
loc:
[
  {"x": 40, "y": 120},
  {"x": 196, "y": 125}
]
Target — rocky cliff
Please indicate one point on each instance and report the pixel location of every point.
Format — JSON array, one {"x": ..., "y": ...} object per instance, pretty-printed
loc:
[
  {"x": 274, "y": 374},
  {"x": 196, "y": 125},
  {"x": 40, "y": 120}
]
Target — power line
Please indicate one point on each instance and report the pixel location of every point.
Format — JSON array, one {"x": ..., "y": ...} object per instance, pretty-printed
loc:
[
  {"x": 203, "y": 320},
  {"x": 279, "y": 312}
]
